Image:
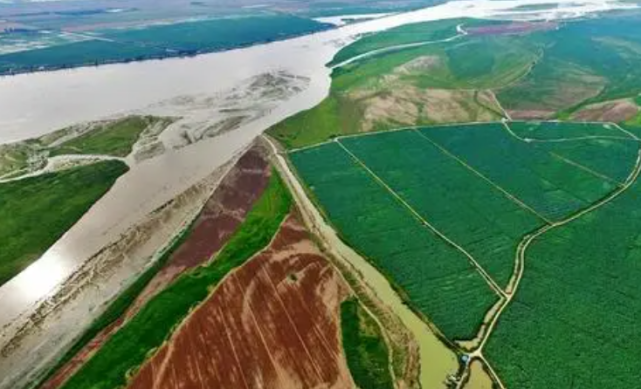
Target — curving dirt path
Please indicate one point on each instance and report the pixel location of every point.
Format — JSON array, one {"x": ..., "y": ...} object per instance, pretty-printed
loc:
[
  {"x": 460, "y": 33},
  {"x": 525, "y": 243}
]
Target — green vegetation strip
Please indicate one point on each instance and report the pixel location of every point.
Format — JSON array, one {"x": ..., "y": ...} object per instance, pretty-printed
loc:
[
  {"x": 130, "y": 346},
  {"x": 408, "y": 34},
  {"x": 35, "y": 212},
  {"x": 114, "y": 138},
  {"x": 365, "y": 349}
]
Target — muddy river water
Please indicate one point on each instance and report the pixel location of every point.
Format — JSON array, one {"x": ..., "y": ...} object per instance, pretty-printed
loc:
[{"x": 35, "y": 104}]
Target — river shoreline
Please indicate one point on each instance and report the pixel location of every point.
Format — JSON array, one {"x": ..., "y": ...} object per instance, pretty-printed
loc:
[{"x": 196, "y": 89}]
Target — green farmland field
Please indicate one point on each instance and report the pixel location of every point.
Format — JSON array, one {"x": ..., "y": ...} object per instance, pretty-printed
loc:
[
  {"x": 37, "y": 211},
  {"x": 431, "y": 182},
  {"x": 575, "y": 319},
  {"x": 408, "y": 34},
  {"x": 437, "y": 279},
  {"x": 564, "y": 130},
  {"x": 549, "y": 72},
  {"x": 549, "y": 185},
  {"x": 478, "y": 185}
]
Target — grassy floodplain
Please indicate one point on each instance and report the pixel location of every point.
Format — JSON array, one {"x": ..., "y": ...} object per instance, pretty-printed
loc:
[
  {"x": 156, "y": 321},
  {"x": 37, "y": 211},
  {"x": 115, "y": 138},
  {"x": 365, "y": 349},
  {"x": 380, "y": 190}
]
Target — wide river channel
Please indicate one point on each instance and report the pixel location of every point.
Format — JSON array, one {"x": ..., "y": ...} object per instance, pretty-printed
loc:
[{"x": 36, "y": 104}]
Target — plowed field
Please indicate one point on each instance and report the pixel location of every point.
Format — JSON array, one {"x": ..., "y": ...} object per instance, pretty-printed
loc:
[{"x": 271, "y": 324}]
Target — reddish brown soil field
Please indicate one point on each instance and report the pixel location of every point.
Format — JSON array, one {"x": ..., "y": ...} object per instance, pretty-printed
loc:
[
  {"x": 222, "y": 214},
  {"x": 611, "y": 111},
  {"x": 271, "y": 324},
  {"x": 512, "y": 28}
]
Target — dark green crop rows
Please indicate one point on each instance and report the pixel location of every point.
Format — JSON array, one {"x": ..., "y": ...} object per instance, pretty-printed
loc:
[
  {"x": 478, "y": 185},
  {"x": 549, "y": 185},
  {"x": 436, "y": 278},
  {"x": 575, "y": 320},
  {"x": 465, "y": 208}
]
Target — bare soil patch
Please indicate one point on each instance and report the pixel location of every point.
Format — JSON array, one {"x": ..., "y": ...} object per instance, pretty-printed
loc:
[
  {"x": 530, "y": 114},
  {"x": 271, "y": 324},
  {"x": 512, "y": 28},
  {"x": 610, "y": 111},
  {"x": 407, "y": 105}
]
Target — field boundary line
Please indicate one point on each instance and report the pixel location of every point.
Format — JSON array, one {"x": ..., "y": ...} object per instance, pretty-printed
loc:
[
  {"x": 568, "y": 160},
  {"x": 336, "y": 260},
  {"x": 617, "y": 126},
  {"x": 507, "y": 194},
  {"x": 291, "y": 322},
  {"x": 473, "y": 261},
  {"x": 262, "y": 335},
  {"x": 506, "y": 115},
  {"x": 233, "y": 348},
  {"x": 576, "y": 139},
  {"x": 528, "y": 239},
  {"x": 629, "y": 138},
  {"x": 383, "y": 50},
  {"x": 584, "y": 168}
]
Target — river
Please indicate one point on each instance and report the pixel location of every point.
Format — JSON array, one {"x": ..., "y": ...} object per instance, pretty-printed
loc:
[{"x": 36, "y": 104}]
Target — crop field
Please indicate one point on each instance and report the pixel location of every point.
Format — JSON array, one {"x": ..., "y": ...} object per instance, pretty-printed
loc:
[
  {"x": 551, "y": 186},
  {"x": 563, "y": 130},
  {"x": 434, "y": 210},
  {"x": 29, "y": 227},
  {"x": 108, "y": 368},
  {"x": 365, "y": 349},
  {"x": 493, "y": 222},
  {"x": 591, "y": 60},
  {"x": 432, "y": 274},
  {"x": 272, "y": 324},
  {"x": 575, "y": 319}
]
